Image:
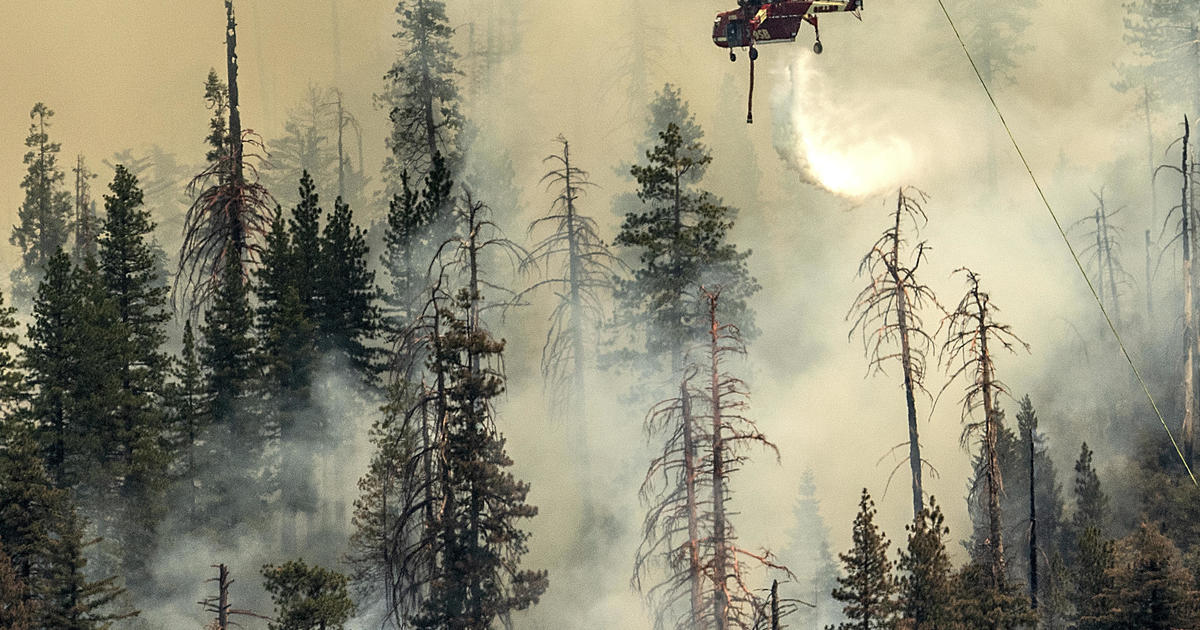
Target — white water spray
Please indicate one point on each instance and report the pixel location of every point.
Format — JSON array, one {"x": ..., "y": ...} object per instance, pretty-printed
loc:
[{"x": 833, "y": 140}]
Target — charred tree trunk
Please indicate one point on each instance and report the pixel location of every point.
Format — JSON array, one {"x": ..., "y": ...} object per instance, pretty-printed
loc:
[
  {"x": 693, "y": 510},
  {"x": 1149, "y": 290},
  {"x": 1033, "y": 561},
  {"x": 238, "y": 236},
  {"x": 720, "y": 546},
  {"x": 906, "y": 360},
  {"x": 1189, "y": 321}
]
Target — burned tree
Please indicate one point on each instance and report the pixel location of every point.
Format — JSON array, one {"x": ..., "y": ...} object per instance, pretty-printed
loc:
[
  {"x": 687, "y": 531},
  {"x": 230, "y": 208},
  {"x": 1186, "y": 235},
  {"x": 887, "y": 314},
  {"x": 971, "y": 340},
  {"x": 579, "y": 271},
  {"x": 1102, "y": 249}
]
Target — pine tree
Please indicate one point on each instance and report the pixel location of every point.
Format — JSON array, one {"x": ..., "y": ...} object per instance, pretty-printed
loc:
[
  {"x": 71, "y": 361},
  {"x": 478, "y": 578},
  {"x": 229, "y": 359},
  {"x": 347, "y": 318},
  {"x": 129, "y": 272},
  {"x": 287, "y": 347},
  {"x": 307, "y": 598},
  {"x": 420, "y": 95},
  {"x": 868, "y": 588},
  {"x": 1091, "y": 504},
  {"x": 1092, "y": 575},
  {"x": 808, "y": 554},
  {"x": 1167, "y": 34},
  {"x": 984, "y": 603},
  {"x": 926, "y": 589},
  {"x": 1149, "y": 588},
  {"x": 74, "y": 601},
  {"x": 17, "y": 609},
  {"x": 416, "y": 222},
  {"x": 188, "y": 422},
  {"x": 45, "y": 215},
  {"x": 11, "y": 389},
  {"x": 679, "y": 236}
]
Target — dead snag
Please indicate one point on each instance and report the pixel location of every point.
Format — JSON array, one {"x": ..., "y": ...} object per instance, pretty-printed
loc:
[
  {"x": 972, "y": 337},
  {"x": 886, "y": 313}
]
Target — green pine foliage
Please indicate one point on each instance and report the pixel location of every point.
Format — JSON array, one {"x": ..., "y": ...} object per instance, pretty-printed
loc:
[
  {"x": 187, "y": 427},
  {"x": 307, "y": 597},
  {"x": 867, "y": 589},
  {"x": 45, "y": 216},
  {"x": 1091, "y": 572},
  {"x": 984, "y": 604},
  {"x": 680, "y": 237},
  {"x": 229, "y": 358},
  {"x": 478, "y": 578},
  {"x": 17, "y": 609},
  {"x": 11, "y": 388},
  {"x": 347, "y": 317},
  {"x": 927, "y": 595},
  {"x": 1148, "y": 587},
  {"x": 421, "y": 94},
  {"x": 130, "y": 274},
  {"x": 414, "y": 221}
]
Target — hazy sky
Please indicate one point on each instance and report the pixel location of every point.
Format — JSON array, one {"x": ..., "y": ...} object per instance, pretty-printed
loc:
[{"x": 892, "y": 101}]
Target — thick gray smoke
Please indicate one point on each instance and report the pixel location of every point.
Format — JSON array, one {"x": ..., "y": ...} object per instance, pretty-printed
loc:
[{"x": 891, "y": 102}]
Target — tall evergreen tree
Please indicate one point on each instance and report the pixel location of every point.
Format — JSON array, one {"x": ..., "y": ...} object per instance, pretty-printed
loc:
[
  {"x": 1149, "y": 588},
  {"x": 416, "y": 222},
  {"x": 1166, "y": 34},
  {"x": 45, "y": 215},
  {"x": 680, "y": 238},
  {"x": 129, "y": 272},
  {"x": 926, "y": 589},
  {"x": 347, "y": 317},
  {"x": 478, "y": 578},
  {"x": 420, "y": 95},
  {"x": 808, "y": 555},
  {"x": 188, "y": 422},
  {"x": 868, "y": 588},
  {"x": 229, "y": 359},
  {"x": 71, "y": 362}
]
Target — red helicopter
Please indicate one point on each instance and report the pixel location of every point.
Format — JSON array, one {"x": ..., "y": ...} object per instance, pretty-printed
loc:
[{"x": 770, "y": 21}]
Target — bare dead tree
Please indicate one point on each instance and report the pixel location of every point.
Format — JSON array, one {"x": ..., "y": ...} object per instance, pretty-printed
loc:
[
  {"x": 1102, "y": 251},
  {"x": 886, "y": 313},
  {"x": 1185, "y": 218},
  {"x": 230, "y": 210},
  {"x": 219, "y": 604},
  {"x": 689, "y": 536},
  {"x": 671, "y": 529},
  {"x": 972, "y": 337},
  {"x": 579, "y": 269}
]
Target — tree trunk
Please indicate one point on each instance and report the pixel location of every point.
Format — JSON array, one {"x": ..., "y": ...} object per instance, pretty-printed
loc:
[
  {"x": 1189, "y": 323},
  {"x": 578, "y": 392},
  {"x": 1033, "y": 561},
  {"x": 720, "y": 559},
  {"x": 914, "y": 443},
  {"x": 693, "y": 524},
  {"x": 237, "y": 235},
  {"x": 992, "y": 462}
]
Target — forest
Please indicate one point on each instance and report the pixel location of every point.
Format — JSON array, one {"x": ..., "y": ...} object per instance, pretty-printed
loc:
[{"x": 482, "y": 314}]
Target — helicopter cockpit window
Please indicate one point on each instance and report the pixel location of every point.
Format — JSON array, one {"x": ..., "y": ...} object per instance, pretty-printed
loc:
[{"x": 733, "y": 32}]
